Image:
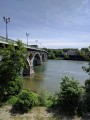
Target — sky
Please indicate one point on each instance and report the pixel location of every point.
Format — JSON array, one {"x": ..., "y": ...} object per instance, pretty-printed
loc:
[{"x": 54, "y": 23}]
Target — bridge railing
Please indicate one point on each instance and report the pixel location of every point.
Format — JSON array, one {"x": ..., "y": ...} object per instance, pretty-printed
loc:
[{"x": 3, "y": 39}]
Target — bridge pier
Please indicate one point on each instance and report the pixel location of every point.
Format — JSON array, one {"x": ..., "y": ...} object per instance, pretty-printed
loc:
[{"x": 28, "y": 71}]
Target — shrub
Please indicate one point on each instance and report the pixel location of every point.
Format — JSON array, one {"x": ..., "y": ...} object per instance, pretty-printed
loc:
[
  {"x": 44, "y": 98},
  {"x": 26, "y": 101},
  {"x": 70, "y": 95},
  {"x": 87, "y": 86},
  {"x": 15, "y": 86},
  {"x": 12, "y": 100},
  {"x": 54, "y": 100},
  {"x": 87, "y": 95}
]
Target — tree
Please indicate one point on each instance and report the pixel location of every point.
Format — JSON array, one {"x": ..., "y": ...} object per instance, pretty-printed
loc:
[
  {"x": 84, "y": 54},
  {"x": 87, "y": 95},
  {"x": 86, "y": 50},
  {"x": 13, "y": 60},
  {"x": 51, "y": 55},
  {"x": 87, "y": 88},
  {"x": 58, "y": 52},
  {"x": 87, "y": 69},
  {"x": 70, "y": 95}
]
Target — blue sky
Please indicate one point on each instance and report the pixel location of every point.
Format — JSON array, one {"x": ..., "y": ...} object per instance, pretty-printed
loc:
[{"x": 54, "y": 23}]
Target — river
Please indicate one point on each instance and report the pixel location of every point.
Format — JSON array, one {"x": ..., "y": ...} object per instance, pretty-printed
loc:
[{"x": 49, "y": 75}]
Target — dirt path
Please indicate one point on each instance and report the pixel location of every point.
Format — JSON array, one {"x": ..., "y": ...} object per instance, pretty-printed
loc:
[{"x": 37, "y": 113}]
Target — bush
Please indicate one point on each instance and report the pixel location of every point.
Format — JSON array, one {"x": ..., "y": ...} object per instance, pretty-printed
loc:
[
  {"x": 26, "y": 101},
  {"x": 12, "y": 100},
  {"x": 87, "y": 95},
  {"x": 44, "y": 99},
  {"x": 87, "y": 86},
  {"x": 14, "y": 87},
  {"x": 70, "y": 95}
]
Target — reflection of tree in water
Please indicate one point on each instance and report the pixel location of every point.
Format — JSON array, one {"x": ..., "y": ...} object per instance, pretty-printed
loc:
[
  {"x": 33, "y": 82},
  {"x": 40, "y": 69}
]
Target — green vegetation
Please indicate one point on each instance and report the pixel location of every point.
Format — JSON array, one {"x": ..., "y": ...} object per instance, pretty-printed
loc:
[
  {"x": 87, "y": 89},
  {"x": 44, "y": 98},
  {"x": 12, "y": 100},
  {"x": 87, "y": 95},
  {"x": 51, "y": 55},
  {"x": 69, "y": 54},
  {"x": 70, "y": 96},
  {"x": 26, "y": 100},
  {"x": 13, "y": 60}
]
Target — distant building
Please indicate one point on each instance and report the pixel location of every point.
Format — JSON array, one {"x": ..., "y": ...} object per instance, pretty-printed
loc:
[{"x": 72, "y": 52}]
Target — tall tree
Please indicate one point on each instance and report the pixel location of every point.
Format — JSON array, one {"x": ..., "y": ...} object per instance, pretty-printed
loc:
[{"x": 13, "y": 60}]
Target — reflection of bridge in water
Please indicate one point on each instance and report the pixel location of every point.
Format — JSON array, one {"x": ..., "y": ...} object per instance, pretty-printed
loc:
[{"x": 37, "y": 55}]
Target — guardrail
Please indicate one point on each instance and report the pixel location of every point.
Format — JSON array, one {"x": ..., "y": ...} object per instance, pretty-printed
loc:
[{"x": 4, "y": 40}]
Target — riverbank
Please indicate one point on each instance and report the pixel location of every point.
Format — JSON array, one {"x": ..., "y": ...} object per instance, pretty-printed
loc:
[{"x": 37, "y": 113}]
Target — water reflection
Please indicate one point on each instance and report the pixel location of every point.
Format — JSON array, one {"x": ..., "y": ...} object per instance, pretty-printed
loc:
[
  {"x": 40, "y": 69},
  {"x": 33, "y": 82}
]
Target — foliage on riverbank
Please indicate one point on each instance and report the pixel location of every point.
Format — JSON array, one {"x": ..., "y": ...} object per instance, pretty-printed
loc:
[
  {"x": 70, "y": 96},
  {"x": 69, "y": 54}
]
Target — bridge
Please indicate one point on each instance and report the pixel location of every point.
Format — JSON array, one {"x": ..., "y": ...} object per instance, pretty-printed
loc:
[{"x": 37, "y": 55}]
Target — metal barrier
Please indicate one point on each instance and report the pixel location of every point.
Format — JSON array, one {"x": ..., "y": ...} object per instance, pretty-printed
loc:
[{"x": 3, "y": 39}]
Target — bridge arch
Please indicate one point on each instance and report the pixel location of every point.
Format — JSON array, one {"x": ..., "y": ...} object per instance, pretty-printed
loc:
[{"x": 37, "y": 59}]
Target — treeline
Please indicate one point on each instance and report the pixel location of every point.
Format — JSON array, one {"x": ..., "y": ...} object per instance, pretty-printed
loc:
[{"x": 69, "y": 54}]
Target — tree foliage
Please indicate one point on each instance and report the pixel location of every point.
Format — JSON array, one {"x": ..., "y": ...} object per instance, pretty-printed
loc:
[
  {"x": 70, "y": 95},
  {"x": 26, "y": 101},
  {"x": 87, "y": 88},
  {"x": 82, "y": 54},
  {"x": 51, "y": 55},
  {"x": 87, "y": 95},
  {"x": 13, "y": 60}
]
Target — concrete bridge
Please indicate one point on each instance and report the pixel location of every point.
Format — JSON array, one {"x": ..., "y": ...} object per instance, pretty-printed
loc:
[{"x": 37, "y": 55}]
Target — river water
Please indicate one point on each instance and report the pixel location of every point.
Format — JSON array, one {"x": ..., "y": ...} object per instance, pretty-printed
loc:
[{"x": 49, "y": 75}]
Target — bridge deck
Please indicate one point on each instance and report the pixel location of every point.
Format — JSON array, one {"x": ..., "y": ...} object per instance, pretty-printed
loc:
[{"x": 3, "y": 40}]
